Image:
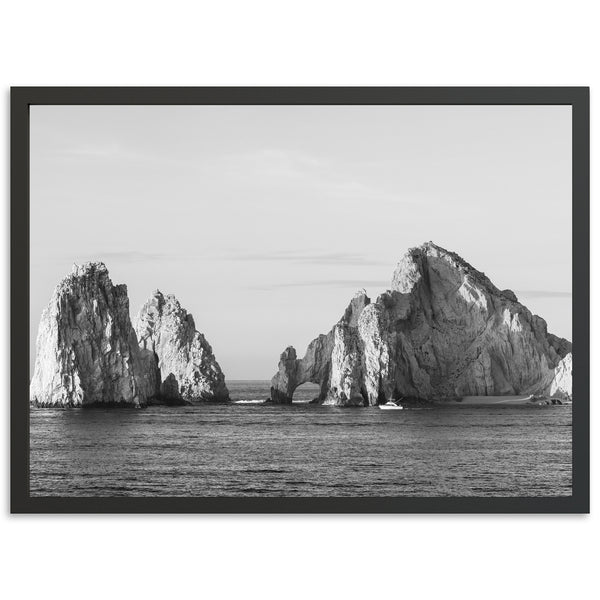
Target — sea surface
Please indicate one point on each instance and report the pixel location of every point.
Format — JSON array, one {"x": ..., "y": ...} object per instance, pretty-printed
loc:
[{"x": 250, "y": 449}]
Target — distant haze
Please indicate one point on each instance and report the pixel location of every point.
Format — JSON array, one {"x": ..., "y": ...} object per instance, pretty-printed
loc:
[{"x": 264, "y": 220}]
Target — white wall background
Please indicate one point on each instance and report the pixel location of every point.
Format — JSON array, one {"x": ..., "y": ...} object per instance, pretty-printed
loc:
[{"x": 297, "y": 43}]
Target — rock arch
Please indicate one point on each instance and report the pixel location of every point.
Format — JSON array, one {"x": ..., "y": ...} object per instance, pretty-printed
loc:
[
  {"x": 321, "y": 362},
  {"x": 293, "y": 372},
  {"x": 443, "y": 331}
]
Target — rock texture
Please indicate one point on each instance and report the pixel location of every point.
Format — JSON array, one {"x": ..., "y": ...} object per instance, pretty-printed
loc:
[
  {"x": 443, "y": 331},
  {"x": 562, "y": 384},
  {"x": 87, "y": 350},
  {"x": 188, "y": 367}
]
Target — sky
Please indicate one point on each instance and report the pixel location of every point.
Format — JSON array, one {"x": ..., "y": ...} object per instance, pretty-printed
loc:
[{"x": 265, "y": 220}]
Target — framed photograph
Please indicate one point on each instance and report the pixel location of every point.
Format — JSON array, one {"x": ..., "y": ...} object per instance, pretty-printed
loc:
[{"x": 352, "y": 300}]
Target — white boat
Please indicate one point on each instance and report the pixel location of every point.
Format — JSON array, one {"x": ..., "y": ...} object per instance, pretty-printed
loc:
[
  {"x": 390, "y": 406},
  {"x": 248, "y": 402}
]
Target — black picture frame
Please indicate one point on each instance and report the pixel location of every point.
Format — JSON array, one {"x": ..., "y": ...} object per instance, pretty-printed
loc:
[{"x": 23, "y": 97}]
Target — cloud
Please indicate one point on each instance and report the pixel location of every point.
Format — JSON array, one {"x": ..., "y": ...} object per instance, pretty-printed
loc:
[
  {"x": 102, "y": 151},
  {"x": 117, "y": 153},
  {"x": 111, "y": 256},
  {"x": 309, "y": 258},
  {"x": 543, "y": 294},
  {"x": 334, "y": 283},
  {"x": 133, "y": 256},
  {"x": 304, "y": 258},
  {"x": 385, "y": 284},
  {"x": 278, "y": 162},
  {"x": 321, "y": 176}
]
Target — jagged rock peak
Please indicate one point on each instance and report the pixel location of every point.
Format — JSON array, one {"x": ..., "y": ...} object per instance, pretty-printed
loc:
[
  {"x": 89, "y": 273},
  {"x": 444, "y": 330},
  {"x": 419, "y": 260},
  {"x": 90, "y": 268},
  {"x": 188, "y": 367},
  {"x": 169, "y": 304},
  {"x": 355, "y": 308},
  {"x": 87, "y": 351}
]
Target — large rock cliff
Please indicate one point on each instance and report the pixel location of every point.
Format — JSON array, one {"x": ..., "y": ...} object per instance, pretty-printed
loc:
[
  {"x": 443, "y": 331},
  {"x": 87, "y": 351},
  {"x": 188, "y": 367}
]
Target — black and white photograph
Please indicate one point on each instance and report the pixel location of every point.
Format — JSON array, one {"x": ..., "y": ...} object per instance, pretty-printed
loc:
[
  {"x": 305, "y": 301},
  {"x": 276, "y": 300}
]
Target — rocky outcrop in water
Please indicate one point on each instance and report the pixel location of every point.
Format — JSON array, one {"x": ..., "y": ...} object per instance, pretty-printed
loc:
[
  {"x": 562, "y": 384},
  {"x": 443, "y": 331},
  {"x": 188, "y": 367},
  {"x": 87, "y": 350}
]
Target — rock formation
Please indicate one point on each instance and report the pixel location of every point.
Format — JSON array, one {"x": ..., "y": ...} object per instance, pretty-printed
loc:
[
  {"x": 87, "y": 350},
  {"x": 562, "y": 383},
  {"x": 443, "y": 331},
  {"x": 188, "y": 367}
]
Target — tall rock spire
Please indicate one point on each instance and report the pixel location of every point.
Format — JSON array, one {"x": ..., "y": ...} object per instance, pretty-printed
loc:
[
  {"x": 87, "y": 350},
  {"x": 188, "y": 367}
]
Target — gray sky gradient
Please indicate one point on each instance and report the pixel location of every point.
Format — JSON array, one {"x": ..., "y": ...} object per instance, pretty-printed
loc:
[{"x": 264, "y": 221}]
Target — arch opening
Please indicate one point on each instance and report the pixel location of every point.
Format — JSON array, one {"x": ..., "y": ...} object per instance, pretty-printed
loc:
[{"x": 305, "y": 393}]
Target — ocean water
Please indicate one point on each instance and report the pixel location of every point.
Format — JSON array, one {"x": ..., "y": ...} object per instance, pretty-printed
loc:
[{"x": 249, "y": 449}]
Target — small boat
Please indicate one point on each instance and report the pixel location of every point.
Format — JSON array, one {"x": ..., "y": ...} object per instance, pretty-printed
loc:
[{"x": 390, "y": 406}]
